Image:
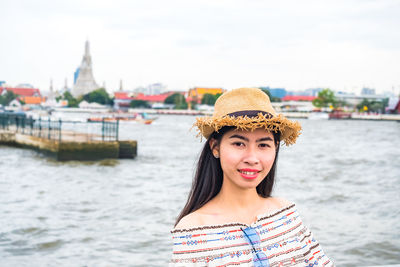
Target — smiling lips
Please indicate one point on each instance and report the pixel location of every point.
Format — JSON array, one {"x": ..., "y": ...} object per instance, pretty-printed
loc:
[{"x": 249, "y": 173}]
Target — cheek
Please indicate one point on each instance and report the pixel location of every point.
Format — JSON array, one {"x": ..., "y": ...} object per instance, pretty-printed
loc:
[
  {"x": 229, "y": 159},
  {"x": 268, "y": 159}
]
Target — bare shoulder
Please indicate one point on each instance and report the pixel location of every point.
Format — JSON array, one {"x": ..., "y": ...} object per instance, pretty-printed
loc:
[
  {"x": 279, "y": 202},
  {"x": 191, "y": 220}
]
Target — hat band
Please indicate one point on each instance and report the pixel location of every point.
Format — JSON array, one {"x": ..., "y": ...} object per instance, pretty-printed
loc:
[{"x": 250, "y": 113}]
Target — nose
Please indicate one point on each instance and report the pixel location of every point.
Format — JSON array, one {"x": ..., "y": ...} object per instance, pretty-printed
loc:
[{"x": 251, "y": 157}]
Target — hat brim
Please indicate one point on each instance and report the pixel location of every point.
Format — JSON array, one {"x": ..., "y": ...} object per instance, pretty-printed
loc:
[{"x": 289, "y": 130}]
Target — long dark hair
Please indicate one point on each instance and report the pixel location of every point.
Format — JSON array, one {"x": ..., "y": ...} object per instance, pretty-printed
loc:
[{"x": 208, "y": 178}]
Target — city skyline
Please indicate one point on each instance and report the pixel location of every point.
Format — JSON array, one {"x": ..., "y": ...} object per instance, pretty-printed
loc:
[{"x": 342, "y": 45}]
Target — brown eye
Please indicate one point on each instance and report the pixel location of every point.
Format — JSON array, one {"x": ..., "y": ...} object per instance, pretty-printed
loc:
[
  {"x": 264, "y": 145},
  {"x": 239, "y": 144}
]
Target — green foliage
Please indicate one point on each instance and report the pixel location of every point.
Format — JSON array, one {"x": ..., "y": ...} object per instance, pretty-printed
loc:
[
  {"x": 72, "y": 101},
  {"x": 139, "y": 104},
  {"x": 181, "y": 105},
  {"x": 7, "y": 98},
  {"x": 372, "y": 105},
  {"x": 171, "y": 99},
  {"x": 178, "y": 100},
  {"x": 99, "y": 96},
  {"x": 209, "y": 99},
  {"x": 272, "y": 98},
  {"x": 325, "y": 98}
]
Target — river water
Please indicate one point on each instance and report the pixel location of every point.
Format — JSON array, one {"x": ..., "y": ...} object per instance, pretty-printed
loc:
[{"x": 344, "y": 177}]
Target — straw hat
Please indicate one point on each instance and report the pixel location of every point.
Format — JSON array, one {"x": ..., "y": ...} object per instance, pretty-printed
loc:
[{"x": 247, "y": 109}]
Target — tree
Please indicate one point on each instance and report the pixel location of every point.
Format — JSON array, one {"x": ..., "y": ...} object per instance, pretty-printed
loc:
[
  {"x": 139, "y": 104},
  {"x": 272, "y": 98},
  {"x": 209, "y": 99},
  {"x": 7, "y": 98},
  {"x": 325, "y": 98},
  {"x": 99, "y": 96},
  {"x": 178, "y": 100},
  {"x": 216, "y": 96},
  {"x": 372, "y": 105},
  {"x": 72, "y": 101}
]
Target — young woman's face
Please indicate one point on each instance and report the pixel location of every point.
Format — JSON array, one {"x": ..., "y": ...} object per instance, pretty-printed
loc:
[{"x": 246, "y": 157}]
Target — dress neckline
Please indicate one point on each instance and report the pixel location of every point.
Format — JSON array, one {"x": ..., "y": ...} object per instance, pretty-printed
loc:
[{"x": 259, "y": 217}]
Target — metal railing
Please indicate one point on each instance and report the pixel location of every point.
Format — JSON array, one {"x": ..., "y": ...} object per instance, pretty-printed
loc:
[{"x": 60, "y": 130}]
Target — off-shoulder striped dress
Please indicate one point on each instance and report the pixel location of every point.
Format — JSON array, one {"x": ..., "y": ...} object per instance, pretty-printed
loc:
[{"x": 278, "y": 239}]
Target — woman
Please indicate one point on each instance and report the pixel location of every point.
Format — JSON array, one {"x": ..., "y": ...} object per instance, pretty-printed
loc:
[{"x": 230, "y": 217}]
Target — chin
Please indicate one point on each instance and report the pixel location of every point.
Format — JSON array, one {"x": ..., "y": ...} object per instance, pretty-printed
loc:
[{"x": 249, "y": 184}]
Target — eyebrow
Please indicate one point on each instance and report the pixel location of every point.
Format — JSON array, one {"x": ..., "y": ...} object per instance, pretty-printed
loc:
[{"x": 246, "y": 139}]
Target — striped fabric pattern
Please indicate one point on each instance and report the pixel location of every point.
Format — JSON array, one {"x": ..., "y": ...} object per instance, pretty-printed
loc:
[{"x": 282, "y": 236}]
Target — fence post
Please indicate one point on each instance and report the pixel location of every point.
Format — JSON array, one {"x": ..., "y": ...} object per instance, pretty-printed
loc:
[
  {"x": 23, "y": 125},
  {"x": 49, "y": 129},
  {"x": 40, "y": 127},
  {"x": 102, "y": 129},
  {"x": 59, "y": 130},
  {"x": 16, "y": 124},
  {"x": 117, "y": 128}
]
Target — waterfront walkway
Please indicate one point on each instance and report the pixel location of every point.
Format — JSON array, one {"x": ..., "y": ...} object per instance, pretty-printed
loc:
[{"x": 65, "y": 140}]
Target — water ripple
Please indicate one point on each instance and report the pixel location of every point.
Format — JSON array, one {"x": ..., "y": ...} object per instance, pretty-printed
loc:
[{"x": 118, "y": 212}]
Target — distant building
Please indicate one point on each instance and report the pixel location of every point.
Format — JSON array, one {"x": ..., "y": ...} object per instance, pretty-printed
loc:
[
  {"x": 354, "y": 100},
  {"x": 393, "y": 105},
  {"x": 151, "y": 89},
  {"x": 156, "y": 88},
  {"x": 15, "y": 103},
  {"x": 140, "y": 90},
  {"x": 85, "y": 82},
  {"x": 367, "y": 91},
  {"x": 84, "y": 104},
  {"x": 275, "y": 92},
  {"x": 21, "y": 91},
  {"x": 122, "y": 100},
  {"x": 76, "y": 73},
  {"x": 196, "y": 94},
  {"x": 307, "y": 92},
  {"x": 30, "y": 96},
  {"x": 313, "y": 91},
  {"x": 153, "y": 98},
  {"x": 2, "y": 83},
  {"x": 298, "y": 98},
  {"x": 25, "y": 85}
]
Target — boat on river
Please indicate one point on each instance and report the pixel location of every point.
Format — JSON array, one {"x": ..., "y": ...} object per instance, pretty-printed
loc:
[{"x": 339, "y": 114}]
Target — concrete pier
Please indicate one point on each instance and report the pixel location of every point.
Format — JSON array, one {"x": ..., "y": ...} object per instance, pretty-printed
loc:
[{"x": 64, "y": 151}]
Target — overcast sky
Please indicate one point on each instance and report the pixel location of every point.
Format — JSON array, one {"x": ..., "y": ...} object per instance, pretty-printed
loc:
[{"x": 341, "y": 44}]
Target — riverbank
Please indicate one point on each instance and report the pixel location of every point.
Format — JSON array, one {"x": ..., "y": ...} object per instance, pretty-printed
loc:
[{"x": 298, "y": 115}]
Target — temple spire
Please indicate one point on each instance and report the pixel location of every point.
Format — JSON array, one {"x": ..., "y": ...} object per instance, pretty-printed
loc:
[
  {"x": 51, "y": 85},
  {"x": 87, "y": 52},
  {"x": 51, "y": 94},
  {"x": 85, "y": 82},
  {"x": 66, "y": 85}
]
